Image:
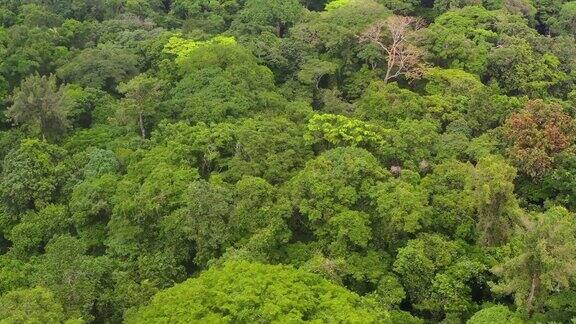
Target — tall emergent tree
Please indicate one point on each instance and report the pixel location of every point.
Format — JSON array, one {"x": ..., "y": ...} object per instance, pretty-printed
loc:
[
  {"x": 393, "y": 38},
  {"x": 40, "y": 105},
  {"x": 142, "y": 94}
]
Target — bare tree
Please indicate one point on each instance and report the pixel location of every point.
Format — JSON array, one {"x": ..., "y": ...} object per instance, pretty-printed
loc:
[{"x": 392, "y": 36}]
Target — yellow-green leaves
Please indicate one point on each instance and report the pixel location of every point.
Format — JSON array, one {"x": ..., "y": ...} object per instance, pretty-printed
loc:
[
  {"x": 335, "y": 4},
  {"x": 183, "y": 48},
  {"x": 243, "y": 292},
  {"x": 338, "y": 130}
]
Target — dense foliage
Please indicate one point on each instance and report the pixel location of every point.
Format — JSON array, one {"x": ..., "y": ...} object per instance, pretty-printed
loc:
[{"x": 386, "y": 161}]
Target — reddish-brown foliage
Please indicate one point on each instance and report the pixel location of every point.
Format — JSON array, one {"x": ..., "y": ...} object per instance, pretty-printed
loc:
[{"x": 537, "y": 134}]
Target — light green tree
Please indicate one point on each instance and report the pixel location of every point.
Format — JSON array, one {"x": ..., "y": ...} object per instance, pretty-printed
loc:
[
  {"x": 33, "y": 305},
  {"x": 498, "y": 314},
  {"x": 252, "y": 292}
]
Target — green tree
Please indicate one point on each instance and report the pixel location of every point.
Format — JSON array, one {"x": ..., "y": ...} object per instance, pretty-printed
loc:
[
  {"x": 497, "y": 206},
  {"x": 525, "y": 8},
  {"x": 102, "y": 67},
  {"x": 400, "y": 7},
  {"x": 494, "y": 315},
  {"x": 100, "y": 162},
  {"x": 461, "y": 39},
  {"x": 41, "y": 106},
  {"x": 402, "y": 207},
  {"x": 154, "y": 188},
  {"x": 31, "y": 174},
  {"x": 14, "y": 274},
  {"x": 445, "y": 5},
  {"x": 437, "y": 273},
  {"x": 36, "y": 15},
  {"x": 326, "y": 131},
  {"x": 386, "y": 103},
  {"x": 334, "y": 32},
  {"x": 248, "y": 292},
  {"x": 339, "y": 180},
  {"x": 452, "y": 200},
  {"x": 206, "y": 15},
  {"x": 220, "y": 81},
  {"x": 74, "y": 277},
  {"x": 141, "y": 97},
  {"x": 314, "y": 70},
  {"x": 566, "y": 21},
  {"x": 257, "y": 214},
  {"x": 548, "y": 11},
  {"x": 204, "y": 220},
  {"x": 412, "y": 142},
  {"x": 34, "y": 305},
  {"x": 90, "y": 205},
  {"x": 27, "y": 50},
  {"x": 271, "y": 148},
  {"x": 35, "y": 229},
  {"x": 543, "y": 262},
  {"x": 519, "y": 70},
  {"x": 558, "y": 183},
  {"x": 275, "y": 14},
  {"x": 88, "y": 106}
]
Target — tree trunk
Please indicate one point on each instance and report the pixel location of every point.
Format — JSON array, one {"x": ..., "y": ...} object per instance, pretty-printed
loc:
[
  {"x": 390, "y": 64},
  {"x": 280, "y": 29},
  {"x": 141, "y": 124},
  {"x": 43, "y": 129},
  {"x": 387, "y": 77},
  {"x": 533, "y": 291},
  {"x": 167, "y": 5}
]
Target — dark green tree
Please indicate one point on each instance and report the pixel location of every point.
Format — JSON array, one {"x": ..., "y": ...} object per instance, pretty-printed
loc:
[
  {"x": 102, "y": 67},
  {"x": 32, "y": 174},
  {"x": 544, "y": 260},
  {"x": 40, "y": 106}
]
